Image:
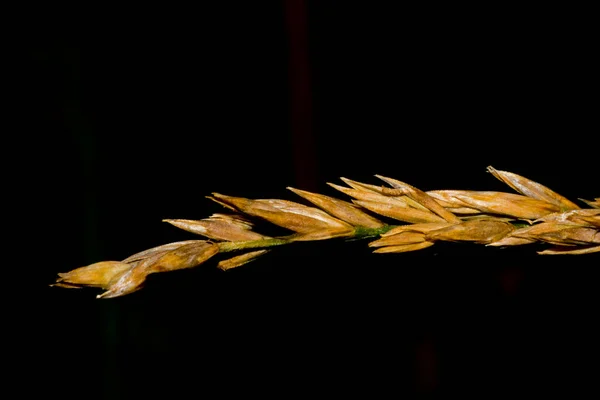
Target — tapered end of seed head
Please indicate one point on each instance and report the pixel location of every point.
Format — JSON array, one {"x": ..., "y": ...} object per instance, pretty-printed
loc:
[{"x": 99, "y": 274}]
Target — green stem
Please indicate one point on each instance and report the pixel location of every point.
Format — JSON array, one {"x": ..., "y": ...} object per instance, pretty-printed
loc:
[
  {"x": 225, "y": 247},
  {"x": 365, "y": 233},
  {"x": 360, "y": 232}
]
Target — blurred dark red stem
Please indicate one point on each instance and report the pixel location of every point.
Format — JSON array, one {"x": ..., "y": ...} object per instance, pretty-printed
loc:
[{"x": 303, "y": 141}]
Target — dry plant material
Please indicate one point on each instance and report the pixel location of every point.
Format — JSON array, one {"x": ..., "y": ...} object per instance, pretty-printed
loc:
[{"x": 396, "y": 219}]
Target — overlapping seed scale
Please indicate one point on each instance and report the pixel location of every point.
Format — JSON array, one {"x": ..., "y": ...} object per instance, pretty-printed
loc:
[
  {"x": 341, "y": 209},
  {"x": 592, "y": 203},
  {"x": 164, "y": 248},
  {"x": 582, "y": 216},
  {"x": 533, "y": 189},
  {"x": 559, "y": 233},
  {"x": 420, "y": 197},
  {"x": 366, "y": 187},
  {"x": 404, "y": 214},
  {"x": 240, "y": 260},
  {"x": 404, "y": 248},
  {"x": 219, "y": 227},
  {"x": 99, "y": 274},
  {"x": 562, "y": 250},
  {"x": 373, "y": 196},
  {"x": 182, "y": 257},
  {"x": 482, "y": 231},
  {"x": 287, "y": 214},
  {"x": 493, "y": 202}
]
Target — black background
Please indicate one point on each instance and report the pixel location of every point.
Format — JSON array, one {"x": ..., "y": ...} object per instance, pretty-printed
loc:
[{"x": 132, "y": 115}]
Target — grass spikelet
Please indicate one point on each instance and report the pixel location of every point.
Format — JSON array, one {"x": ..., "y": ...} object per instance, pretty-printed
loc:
[
  {"x": 499, "y": 203},
  {"x": 420, "y": 197},
  {"x": 343, "y": 210},
  {"x": 481, "y": 231},
  {"x": 532, "y": 189},
  {"x": 219, "y": 227}
]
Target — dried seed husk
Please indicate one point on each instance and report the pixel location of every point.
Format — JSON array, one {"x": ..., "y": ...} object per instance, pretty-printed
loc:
[
  {"x": 420, "y": 227},
  {"x": 576, "y": 235},
  {"x": 589, "y": 220},
  {"x": 67, "y": 285},
  {"x": 533, "y": 189},
  {"x": 558, "y": 233},
  {"x": 511, "y": 241},
  {"x": 219, "y": 227},
  {"x": 240, "y": 260},
  {"x": 402, "y": 238},
  {"x": 158, "y": 249},
  {"x": 361, "y": 186},
  {"x": 341, "y": 209},
  {"x": 405, "y": 214},
  {"x": 287, "y": 214},
  {"x": 500, "y": 203},
  {"x": 323, "y": 234},
  {"x": 487, "y": 216},
  {"x": 379, "y": 189},
  {"x": 570, "y": 250},
  {"x": 532, "y": 231},
  {"x": 420, "y": 197},
  {"x": 132, "y": 280},
  {"x": 481, "y": 231},
  {"x": 593, "y": 204},
  {"x": 183, "y": 257},
  {"x": 99, "y": 274},
  {"x": 372, "y": 196},
  {"x": 403, "y": 248},
  {"x": 464, "y": 211},
  {"x": 582, "y": 216}
]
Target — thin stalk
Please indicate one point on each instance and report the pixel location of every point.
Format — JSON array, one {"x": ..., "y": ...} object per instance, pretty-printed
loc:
[{"x": 358, "y": 234}]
